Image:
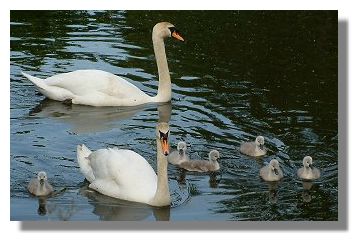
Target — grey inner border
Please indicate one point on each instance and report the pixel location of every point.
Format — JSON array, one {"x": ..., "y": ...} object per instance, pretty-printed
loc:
[{"x": 341, "y": 224}]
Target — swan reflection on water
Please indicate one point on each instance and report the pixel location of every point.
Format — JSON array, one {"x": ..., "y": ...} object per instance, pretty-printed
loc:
[
  {"x": 214, "y": 177},
  {"x": 273, "y": 191},
  {"x": 42, "y": 209},
  {"x": 112, "y": 209},
  {"x": 306, "y": 194},
  {"x": 87, "y": 119}
]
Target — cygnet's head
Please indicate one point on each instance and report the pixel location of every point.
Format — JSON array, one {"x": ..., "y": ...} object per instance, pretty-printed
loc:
[
  {"x": 274, "y": 165},
  {"x": 260, "y": 141},
  {"x": 307, "y": 162},
  {"x": 162, "y": 133},
  {"x": 181, "y": 147},
  {"x": 166, "y": 30},
  {"x": 42, "y": 176},
  {"x": 214, "y": 155}
]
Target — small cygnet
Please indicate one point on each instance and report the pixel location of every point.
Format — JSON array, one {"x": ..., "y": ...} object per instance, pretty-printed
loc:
[
  {"x": 254, "y": 148},
  {"x": 203, "y": 165},
  {"x": 271, "y": 172},
  {"x": 39, "y": 186},
  {"x": 179, "y": 156},
  {"x": 308, "y": 172}
]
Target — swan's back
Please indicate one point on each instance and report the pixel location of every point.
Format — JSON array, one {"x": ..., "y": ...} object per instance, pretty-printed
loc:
[
  {"x": 82, "y": 82},
  {"x": 309, "y": 174},
  {"x": 268, "y": 175},
  {"x": 249, "y": 148},
  {"x": 199, "y": 166}
]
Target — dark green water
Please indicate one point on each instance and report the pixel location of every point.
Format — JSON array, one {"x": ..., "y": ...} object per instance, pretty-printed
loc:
[{"x": 239, "y": 74}]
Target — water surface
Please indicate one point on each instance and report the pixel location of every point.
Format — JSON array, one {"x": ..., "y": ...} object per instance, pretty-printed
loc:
[{"x": 238, "y": 75}]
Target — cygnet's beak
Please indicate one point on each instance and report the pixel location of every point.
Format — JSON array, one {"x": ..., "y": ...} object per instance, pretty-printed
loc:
[
  {"x": 310, "y": 166},
  {"x": 261, "y": 146},
  {"x": 42, "y": 181},
  {"x": 181, "y": 151},
  {"x": 276, "y": 171}
]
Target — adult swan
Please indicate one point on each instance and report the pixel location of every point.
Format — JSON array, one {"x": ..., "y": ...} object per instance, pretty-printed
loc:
[
  {"x": 100, "y": 88},
  {"x": 126, "y": 175}
]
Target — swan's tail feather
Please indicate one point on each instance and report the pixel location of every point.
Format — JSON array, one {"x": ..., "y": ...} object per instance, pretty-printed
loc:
[
  {"x": 82, "y": 158},
  {"x": 50, "y": 91},
  {"x": 39, "y": 83}
]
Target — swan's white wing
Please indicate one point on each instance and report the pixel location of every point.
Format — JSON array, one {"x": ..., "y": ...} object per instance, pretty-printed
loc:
[
  {"x": 123, "y": 174},
  {"x": 85, "y": 82}
]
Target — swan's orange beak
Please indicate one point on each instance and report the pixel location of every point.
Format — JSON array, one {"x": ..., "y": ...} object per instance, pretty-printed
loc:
[
  {"x": 176, "y": 35},
  {"x": 165, "y": 146}
]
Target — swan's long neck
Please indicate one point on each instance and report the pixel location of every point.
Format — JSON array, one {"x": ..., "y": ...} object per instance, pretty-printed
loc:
[
  {"x": 164, "y": 88},
  {"x": 162, "y": 195}
]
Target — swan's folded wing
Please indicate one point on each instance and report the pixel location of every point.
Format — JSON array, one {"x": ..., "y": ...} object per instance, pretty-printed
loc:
[
  {"x": 263, "y": 172},
  {"x": 125, "y": 169},
  {"x": 248, "y": 148},
  {"x": 106, "y": 187},
  {"x": 84, "y": 82}
]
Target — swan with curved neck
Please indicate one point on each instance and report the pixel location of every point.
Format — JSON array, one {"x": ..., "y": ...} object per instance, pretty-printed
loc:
[
  {"x": 100, "y": 88},
  {"x": 126, "y": 175}
]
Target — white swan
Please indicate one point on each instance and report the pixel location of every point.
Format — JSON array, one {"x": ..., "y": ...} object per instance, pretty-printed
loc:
[
  {"x": 254, "y": 148},
  {"x": 202, "y": 165},
  {"x": 99, "y": 88},
  {"x": 271, "y": 172},
  {"x": 308, "y": 172},
  {"x": 179, "y": 156},
  {"x": 126, "y": 175},
  {"x": 40, "y": 186}
]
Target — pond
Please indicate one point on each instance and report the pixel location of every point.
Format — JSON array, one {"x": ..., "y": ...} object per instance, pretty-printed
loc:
[{"x": 239, "y": 74}]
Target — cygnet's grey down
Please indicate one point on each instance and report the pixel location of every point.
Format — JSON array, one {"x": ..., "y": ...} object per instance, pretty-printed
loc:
[
  {"x": 179, "y": 156},
  {"x": 203, "y": 165},
  {"x": 271, "y": 172},
  {"x": 40, "y": 186},
  {"x": 254, "y": 148},
  {"x": 308, "y": 172}
]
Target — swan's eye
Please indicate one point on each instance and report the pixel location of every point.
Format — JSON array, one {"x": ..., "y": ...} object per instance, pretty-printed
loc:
[{"x": 172, "y": 29}]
